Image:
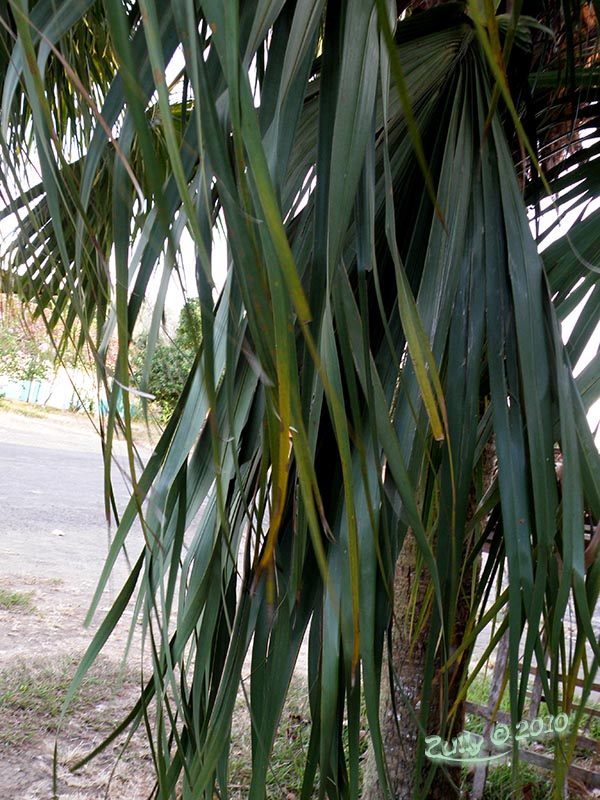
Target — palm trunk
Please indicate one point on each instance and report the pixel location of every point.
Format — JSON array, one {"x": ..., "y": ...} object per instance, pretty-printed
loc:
[
  {"x": 400, "y": 735},
  {"x": 400, "y": 711}
]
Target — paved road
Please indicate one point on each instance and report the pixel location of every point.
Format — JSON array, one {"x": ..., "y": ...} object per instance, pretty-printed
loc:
[{"x": 52, "y": 520}]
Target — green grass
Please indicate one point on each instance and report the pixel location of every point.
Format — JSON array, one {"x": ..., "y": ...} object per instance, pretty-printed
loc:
[
  {"x": 593, "y": 726},
  {"x": 589, "y": 725},
  {"x": 479, "y": 692},
  {"x": 291, "y": 744},
  {"x": 284, "y": 777},
  {"x": 25, "y": 409},
  {"x": 288, "y": 757},
  {"x": 32, "y": 695},
  {"x": 531, "y": 783},
  {"x": 10, "y": 599}
]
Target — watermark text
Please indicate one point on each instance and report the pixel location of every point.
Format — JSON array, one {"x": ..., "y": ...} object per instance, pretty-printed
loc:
[{"x": 473, "y": 748}]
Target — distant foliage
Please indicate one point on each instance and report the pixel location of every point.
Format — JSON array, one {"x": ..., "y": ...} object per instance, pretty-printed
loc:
[
  {"x": 171, "y": 360},
  {"x": 24, "y": 350}
]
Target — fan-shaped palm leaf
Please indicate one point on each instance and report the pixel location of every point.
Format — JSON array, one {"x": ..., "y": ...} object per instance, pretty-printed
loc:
[{"x": 366, "y": 345}]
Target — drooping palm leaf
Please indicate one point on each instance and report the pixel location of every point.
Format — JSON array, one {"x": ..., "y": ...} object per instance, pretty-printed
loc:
[{"x": 364, "y": 348}]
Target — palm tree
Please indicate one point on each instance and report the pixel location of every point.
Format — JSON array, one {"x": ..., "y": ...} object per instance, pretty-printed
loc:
[{"x": 384, "y": 321}]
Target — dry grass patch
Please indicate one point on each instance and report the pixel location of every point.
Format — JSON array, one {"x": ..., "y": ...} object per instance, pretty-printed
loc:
[{"x": 32, "y": 695}]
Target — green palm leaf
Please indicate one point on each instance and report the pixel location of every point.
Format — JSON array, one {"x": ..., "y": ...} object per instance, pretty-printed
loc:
[{"x": 372, "y": 338}]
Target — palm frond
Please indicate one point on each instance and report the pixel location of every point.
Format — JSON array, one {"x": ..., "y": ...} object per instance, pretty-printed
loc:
[{"x": 371, "y": 338}]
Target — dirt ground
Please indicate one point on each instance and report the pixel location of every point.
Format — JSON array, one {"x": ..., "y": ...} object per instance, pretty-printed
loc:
[
  {"x": 40, "y": 649},
  {"x": 52, "y": 546}
]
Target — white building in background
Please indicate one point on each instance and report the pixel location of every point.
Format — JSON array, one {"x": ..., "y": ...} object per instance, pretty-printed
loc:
[{"x": 66, "y": 389}]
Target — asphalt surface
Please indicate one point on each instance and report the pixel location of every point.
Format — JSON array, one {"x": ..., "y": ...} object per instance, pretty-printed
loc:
[{"x": 52, "y": 518}]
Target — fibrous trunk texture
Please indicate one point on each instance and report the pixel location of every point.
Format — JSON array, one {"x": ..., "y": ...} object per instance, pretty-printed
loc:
[{"x": 401, "y": 734}]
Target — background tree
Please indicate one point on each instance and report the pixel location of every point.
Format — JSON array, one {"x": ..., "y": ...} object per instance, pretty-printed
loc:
[
  {"x": 385, "y": 316},
  {"x": 24, "y": 349},
  {"x": 162, "y": 371}
]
